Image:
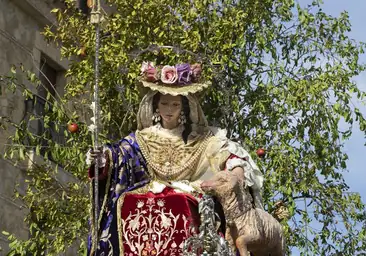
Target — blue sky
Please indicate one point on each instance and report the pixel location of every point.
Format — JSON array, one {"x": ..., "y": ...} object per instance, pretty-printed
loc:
[{"x": 355, "y": 147}]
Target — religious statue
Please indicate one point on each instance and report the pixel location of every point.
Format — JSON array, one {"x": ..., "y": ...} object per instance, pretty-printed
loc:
[{"x": 150, "y": 181}]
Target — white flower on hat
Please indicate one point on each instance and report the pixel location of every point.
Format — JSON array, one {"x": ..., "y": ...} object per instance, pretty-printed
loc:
[
  {"x": 145, "y": 66},
  {"x": 169, "y": 75}
]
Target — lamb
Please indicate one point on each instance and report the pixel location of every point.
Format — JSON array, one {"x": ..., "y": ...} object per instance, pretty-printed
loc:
[{"x": 248, "y": 229}]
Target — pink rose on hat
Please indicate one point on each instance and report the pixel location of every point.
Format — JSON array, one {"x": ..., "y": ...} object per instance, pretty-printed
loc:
[
  {"x": 169, "y": 75},
  {"x": 196, "y": 71},
  {"x": 149, "y": 71}
]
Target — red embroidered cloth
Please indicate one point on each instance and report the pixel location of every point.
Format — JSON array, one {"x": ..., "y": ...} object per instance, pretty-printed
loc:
[{"x": 157, "y": 224}]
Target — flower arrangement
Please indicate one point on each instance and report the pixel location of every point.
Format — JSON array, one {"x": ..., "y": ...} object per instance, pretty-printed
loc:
[{"x": 181, "y": 74}]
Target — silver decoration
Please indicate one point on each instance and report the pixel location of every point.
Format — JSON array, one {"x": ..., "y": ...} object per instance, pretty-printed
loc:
[
  {"x": 207, "y": 242},
  {"x": 182, "y": 118},
  {"x": 156, "y": 116}
]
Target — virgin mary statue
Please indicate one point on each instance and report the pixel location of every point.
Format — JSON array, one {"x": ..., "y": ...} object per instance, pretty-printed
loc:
[{"x": 150, "y": 180}]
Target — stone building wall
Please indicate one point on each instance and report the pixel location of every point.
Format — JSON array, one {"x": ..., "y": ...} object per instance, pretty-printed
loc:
[{"x": 21, "y": 42}]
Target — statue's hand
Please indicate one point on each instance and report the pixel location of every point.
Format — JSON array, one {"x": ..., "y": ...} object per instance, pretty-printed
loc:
[{"x": 95, "y": 155}]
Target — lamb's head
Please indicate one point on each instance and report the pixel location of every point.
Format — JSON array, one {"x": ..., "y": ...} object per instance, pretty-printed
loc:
[{"x": 221, "y": 184}]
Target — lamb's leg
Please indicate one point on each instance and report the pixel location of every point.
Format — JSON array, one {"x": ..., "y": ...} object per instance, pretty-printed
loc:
[
  {"x": 278, "y": 251},
  {"x": 242, "y": 246},
  {"x": 229, "y": 238}
]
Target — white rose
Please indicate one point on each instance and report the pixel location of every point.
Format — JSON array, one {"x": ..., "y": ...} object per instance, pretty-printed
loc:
[{"x": 169, "y": 75}]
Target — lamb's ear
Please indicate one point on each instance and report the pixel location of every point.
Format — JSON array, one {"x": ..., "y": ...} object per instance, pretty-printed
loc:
[{"x": 222, "y": 179}]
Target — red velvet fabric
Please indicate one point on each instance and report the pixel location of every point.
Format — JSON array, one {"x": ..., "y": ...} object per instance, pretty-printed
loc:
[{"x": 157, "y": 224}]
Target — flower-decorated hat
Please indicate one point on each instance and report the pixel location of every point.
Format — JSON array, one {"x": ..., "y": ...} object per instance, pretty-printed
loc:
[{"x": 181, "y": 79}]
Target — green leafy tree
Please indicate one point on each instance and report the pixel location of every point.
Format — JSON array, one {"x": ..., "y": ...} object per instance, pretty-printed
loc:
[{"x": 282, "y": 80}]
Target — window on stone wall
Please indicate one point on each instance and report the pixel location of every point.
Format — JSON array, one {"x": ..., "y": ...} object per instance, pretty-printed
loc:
[{"x": 49, "y": 77}]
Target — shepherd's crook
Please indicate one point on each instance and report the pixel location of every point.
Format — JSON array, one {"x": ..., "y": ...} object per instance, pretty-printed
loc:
[{"x": 96, "y": 18}]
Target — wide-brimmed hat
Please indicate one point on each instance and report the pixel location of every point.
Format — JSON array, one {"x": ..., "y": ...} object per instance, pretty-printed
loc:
[{"x": 176, "y": 90}]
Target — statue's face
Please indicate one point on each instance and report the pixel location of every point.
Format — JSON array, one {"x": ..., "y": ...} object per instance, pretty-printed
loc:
[{"x": 170, "y": 108}]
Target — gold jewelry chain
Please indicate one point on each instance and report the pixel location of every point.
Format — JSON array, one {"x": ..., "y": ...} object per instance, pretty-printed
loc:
[{"x": 178, "y": 171}]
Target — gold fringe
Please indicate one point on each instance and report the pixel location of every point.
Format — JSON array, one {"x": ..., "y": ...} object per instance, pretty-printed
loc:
[{"x": 119, "y": 223}]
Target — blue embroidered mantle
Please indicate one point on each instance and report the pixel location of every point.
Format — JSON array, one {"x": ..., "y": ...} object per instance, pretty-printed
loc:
[{"x": 127, "y": 171}]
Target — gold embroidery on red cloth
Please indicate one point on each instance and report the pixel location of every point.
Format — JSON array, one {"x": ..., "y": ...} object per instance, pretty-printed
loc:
[{"x": 150, "y": 229}]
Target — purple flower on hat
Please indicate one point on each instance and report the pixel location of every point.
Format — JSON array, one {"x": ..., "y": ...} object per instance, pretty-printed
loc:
[{"x": 184, "y": 73}]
